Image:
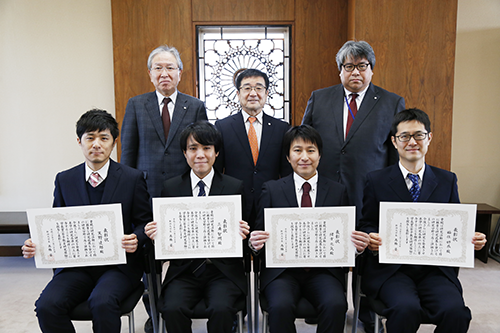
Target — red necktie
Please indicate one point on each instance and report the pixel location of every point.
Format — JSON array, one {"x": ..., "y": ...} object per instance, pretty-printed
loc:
[
  {"x": 353, "y": 107},
  {"x": 306, "y": 198},
  {"x": 165, "y": 116}
]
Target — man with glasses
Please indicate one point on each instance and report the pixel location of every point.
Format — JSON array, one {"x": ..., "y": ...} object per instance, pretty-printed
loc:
[
  {"x": 153, "y": 122},
  {"x": 354, "y": 120},
  {"x": 410, "y": 291},
  {"x": 252, "y": 140}
]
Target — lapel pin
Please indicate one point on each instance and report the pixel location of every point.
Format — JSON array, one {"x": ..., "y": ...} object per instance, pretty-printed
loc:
[
  {"x": 375, "y": 97},
  {"x": 185, "y": 108},
  {"x": 269, "y": 124}
]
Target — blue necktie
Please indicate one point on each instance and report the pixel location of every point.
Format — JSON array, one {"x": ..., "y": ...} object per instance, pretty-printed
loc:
[
  {"x": 415, "y": 189},
  {"x": 201, "y": 185}
]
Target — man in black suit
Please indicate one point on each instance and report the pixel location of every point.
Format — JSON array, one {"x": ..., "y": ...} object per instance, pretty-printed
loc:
[
  {"x": 219, "y": 281},
  {"x": 409, "y": 291},
  {"x": 237, "y": 158},
  {"x": 153, "y": 122},
  {"x": 356, "y": 131},
  {"x": 104, "y": 286},
  {"x": 323, "y": 287}
]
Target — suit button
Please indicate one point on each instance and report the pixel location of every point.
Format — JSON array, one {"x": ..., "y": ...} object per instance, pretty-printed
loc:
[
  {"x": 166, "y": 153},
  {"x": 342, "y": 152},
  {"x": 252, "y": 190}
]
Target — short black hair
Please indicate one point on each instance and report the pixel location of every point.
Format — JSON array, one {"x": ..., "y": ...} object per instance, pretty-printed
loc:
[
  {"x": 304, "y": 132},
  {"x": 410, "y": 115},
  {"x": 97, "y": 120},
  {"x": 250, "y": 72},
  {"x": 204, "y": 133}
]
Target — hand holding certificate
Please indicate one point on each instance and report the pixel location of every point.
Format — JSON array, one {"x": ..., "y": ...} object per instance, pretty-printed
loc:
[{"x": 78, "y": 236}]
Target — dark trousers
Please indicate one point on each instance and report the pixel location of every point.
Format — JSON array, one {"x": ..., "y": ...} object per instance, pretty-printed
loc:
[
  {"x": 180, "y": 296},
  {"x": 104, "y": 287},
  {"x": 415, "y": 290},
  {"x": 319, "y": 287}
]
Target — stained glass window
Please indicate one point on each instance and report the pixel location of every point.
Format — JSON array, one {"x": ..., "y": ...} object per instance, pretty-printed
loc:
[{"x": 223, "y": 50}]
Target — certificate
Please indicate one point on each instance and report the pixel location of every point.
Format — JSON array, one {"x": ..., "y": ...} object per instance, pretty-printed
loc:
[
  {"x": 310, "y": 237},
  {"x": 198, "y": 227},
  {"x": 427, "y": 234},
  {"x": 77, "y": 236}
]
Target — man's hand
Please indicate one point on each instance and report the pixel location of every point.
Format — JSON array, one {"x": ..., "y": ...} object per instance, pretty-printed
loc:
[
  {"x": 129, "y": 243},
  {"x": 258, "y": 238},
  {"x": 360, "y": 240},
  {"x": 479, "y": 240},
  {"x": 150, "y": 230},
  {"x": 375, "y": 241},
  {"x": 29, "y": 249},
  {"x": 244, "y": 229}
]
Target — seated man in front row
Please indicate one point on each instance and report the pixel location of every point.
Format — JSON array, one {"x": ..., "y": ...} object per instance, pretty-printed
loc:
[
  {"x": 220, "y": 282},
  {"x": 323, "y": 287},
  {"x": 99, "y": 180},
  {"x": 409, "y": 291}
]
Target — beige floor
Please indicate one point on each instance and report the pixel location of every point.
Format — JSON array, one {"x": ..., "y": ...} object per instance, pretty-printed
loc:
[{"x": 21, "y": 283}]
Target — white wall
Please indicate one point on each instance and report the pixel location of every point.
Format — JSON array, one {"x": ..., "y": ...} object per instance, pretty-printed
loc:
[
  {"x": 476, "y": 110},
  {"x": 56, "y": 62}
]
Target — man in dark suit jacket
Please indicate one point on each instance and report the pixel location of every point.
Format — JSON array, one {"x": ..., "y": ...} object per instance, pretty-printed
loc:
[
  {"x": 104, "y": 286},
  {"x": 409, "y": 291},
  {"x": 146, "y": 144},
  {"x": 236, "y": 157},
  {"x": 219, "y": 281},
  {"x": 323, "y": 287}
]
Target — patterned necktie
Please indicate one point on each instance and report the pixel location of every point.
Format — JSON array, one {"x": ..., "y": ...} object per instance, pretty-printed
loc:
[
  {"x": 353, "y": 107},
  {"x": 165, "y": 116},
  {"x": 95, "y": 179},
  {"x": 415, "y": 189},
  {"x": 306, "y": 198},
  {"x": 252, "y": 139},
  {"x": 201, "y": 185}
]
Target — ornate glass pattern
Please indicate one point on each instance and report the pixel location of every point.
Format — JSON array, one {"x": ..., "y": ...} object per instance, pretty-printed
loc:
[{"x": 224, "y": 50}]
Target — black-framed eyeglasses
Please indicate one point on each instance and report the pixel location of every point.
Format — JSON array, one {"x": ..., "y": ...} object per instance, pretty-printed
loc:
[
  {"x": 258, "y": 89},
  {"x": 361, "y": 67},
  {"x": 407, "y": 137}
]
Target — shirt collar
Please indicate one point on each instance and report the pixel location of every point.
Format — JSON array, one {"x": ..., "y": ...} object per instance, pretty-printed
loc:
[
  {"x": 103, "y": 172},
  {"x": 207, "y": 180},
  {"x": 160, "y": 97},
  {"x": 299, "y": 181},
  {"x": 361, "y": 94},
  {"x": 405, "y": 172},
  {"x": 246, "y": 116}
]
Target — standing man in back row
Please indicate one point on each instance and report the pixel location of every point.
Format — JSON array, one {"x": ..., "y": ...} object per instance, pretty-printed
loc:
[
  {"x": 354, "y": 119},
  {"x": 252, "y": 141}
]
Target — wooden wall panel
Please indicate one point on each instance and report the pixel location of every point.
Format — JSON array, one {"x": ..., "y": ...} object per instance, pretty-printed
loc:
[
  {"x": 320, "y": 31},
  {"x": 414, "y": 44},
  {"x": 243, "y": 11}
]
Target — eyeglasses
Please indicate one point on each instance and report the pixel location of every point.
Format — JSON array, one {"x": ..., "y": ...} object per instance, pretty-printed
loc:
[
  {"x": 361, "y": 67},
  {"x": 258, "y": 89},
  {"x": 160, "y": 69},
  {"x": 407, "y": 137}
]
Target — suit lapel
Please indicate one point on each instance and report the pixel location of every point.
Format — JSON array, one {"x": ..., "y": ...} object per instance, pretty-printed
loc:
[
  {"x": 337, "y": 106},
  {"x": 429, "y": 184},
  {"x": 371, "y": 98},
  {"x": 241, "y": 134},
  {"x": 185, "y": 189},
  {"x": 153, "y": 111},
  {"x": 217, "y": 186},
  {"x": 288, "y": 188},
  {"x": 112, "y": 181},
  {"x": 267, "y": 134},
  {"x": 81, "y": 186},
  {"x": 321, "y": 194},
  {"x": 180, "y": 110},
  {"x": 398, "y": 184}
]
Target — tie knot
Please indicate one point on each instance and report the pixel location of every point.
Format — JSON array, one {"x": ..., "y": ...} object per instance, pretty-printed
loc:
[
  {"x": 413, "y": 178},
  {"x": 201, "y": 185},
  {"x": 166, "y": 100},
  {"x": 306, "y": 187},
  {"x": 252, "y": 119},
  {"x": 353, "y": 96}
]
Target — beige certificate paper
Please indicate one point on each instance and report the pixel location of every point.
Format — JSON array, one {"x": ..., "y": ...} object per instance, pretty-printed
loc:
[
  {"x": 198, "y": 227},
  {"x": 310, "y": 237},
  {"x": 77, "y": 236},
  {"x": 427, "y": 233}
]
